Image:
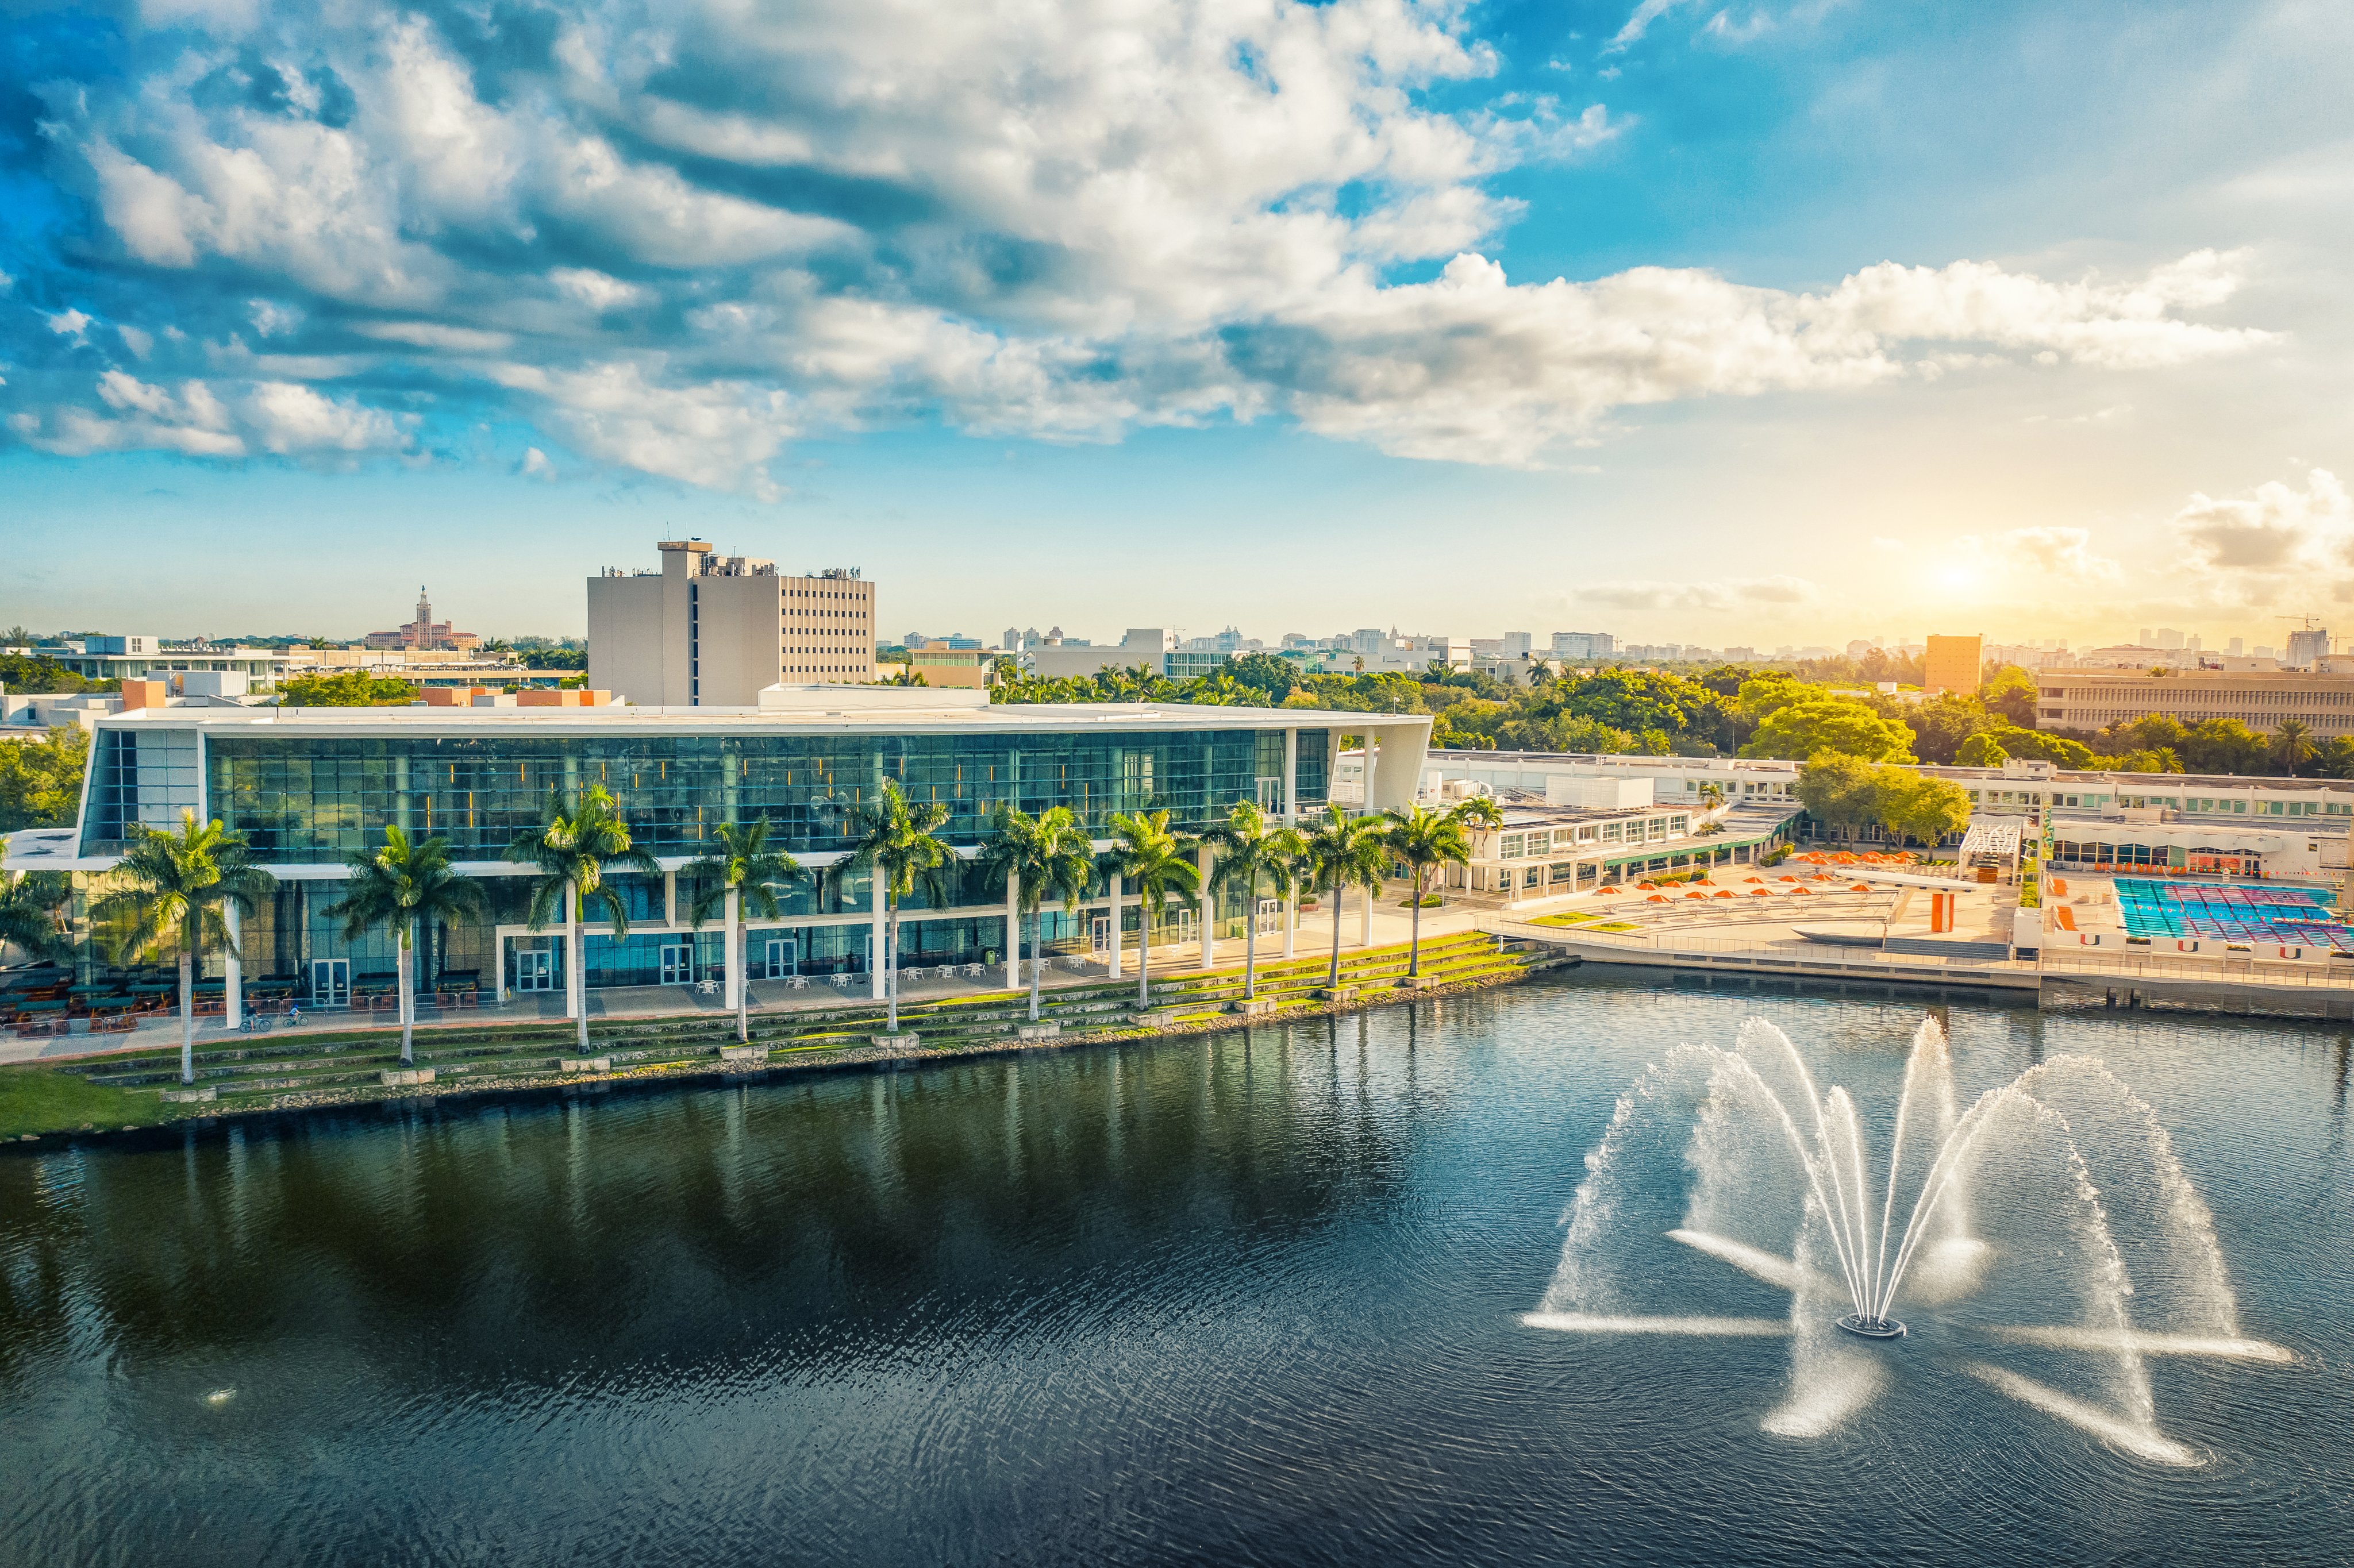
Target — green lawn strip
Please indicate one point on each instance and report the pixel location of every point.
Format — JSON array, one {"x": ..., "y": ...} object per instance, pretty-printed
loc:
[{"x": 36, "y": 1099}]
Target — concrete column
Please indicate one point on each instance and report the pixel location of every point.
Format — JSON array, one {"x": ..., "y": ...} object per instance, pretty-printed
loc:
[
  {"x": 233, "y": 970},
  {"x": 1115, "y": 925},
  {"x": 1209, "y": 904},
  {"x": 1290, "y": 919},
  {"x": 1373, "y": 754},
  {"x": 672, "y": 914},
  {"x": 1365, "y": 935},
  {"x": 1292, "y": 775},
  {"x": 1014, "y": 933},
  {"x": 734, "y": 960},
  {"x": 876, "y": 959},
  {"x": 576, "y": 961}
]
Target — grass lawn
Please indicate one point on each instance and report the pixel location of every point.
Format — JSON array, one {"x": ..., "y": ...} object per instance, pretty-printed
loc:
[{"x": 33, "y": 1098}]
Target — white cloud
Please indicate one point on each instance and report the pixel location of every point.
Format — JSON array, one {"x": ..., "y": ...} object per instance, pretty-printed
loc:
[
  {"x": 278, "y": 418},
  {"x": 2276, "y": 532},
  {"x": 536, "y": 464},
  {"x": 70, "y": 323},
  {"x": 688, "y": 234},
  {"x": 140, "y": 344},
  {"x": 1724, "y": 593}
]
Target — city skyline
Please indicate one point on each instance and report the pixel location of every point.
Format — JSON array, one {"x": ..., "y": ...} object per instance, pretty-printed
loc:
[{"x": 1717, "y": 327}]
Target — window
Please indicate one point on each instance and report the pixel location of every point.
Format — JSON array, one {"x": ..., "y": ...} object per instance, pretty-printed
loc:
[{"x": 1510, "y": 846}]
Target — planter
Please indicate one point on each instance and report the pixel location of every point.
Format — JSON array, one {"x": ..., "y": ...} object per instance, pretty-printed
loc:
[
  {"x": 1155, "y": 1017},
  {"x": 1336, "y": 993},
  {"x": 584, "y": 1064},
  {"x": 1415, "y": 982},
  {"x": 406, "y": 1078},
  {"x": 905, "y": 1040},
  {"x": 1036, "y": 1031},
  {"x": 1253, "y": 1007},
  {"x": 743, "y": 1052},
  {"x": 190, "y": 1097}
]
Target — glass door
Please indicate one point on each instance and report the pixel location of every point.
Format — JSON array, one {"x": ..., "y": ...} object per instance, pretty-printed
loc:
[
  {"x": 1100, "y": 936},
  {"x": 330, "y": 982},
  {"x": 784, "y": 958},
  {"x": 1185, "y": 928},
  {"x": 677, "y": 963},
  {"x": 535, "y": 968},
  {"x": 1270, "y": 917}
]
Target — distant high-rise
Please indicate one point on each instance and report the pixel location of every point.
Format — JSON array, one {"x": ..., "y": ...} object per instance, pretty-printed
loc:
[
  {"x": 709, "y": 630},
  {"x": 1584, "y": 644},
  {"x": 2306, "y": 647},
  {"x": 1517, "y": 644},
  {"x": 2232, "y": 647},
  {"x": 2168, "y": 638},
  {"x": 1952, "y": 663},
  {"x": 2142, "y": 638}
]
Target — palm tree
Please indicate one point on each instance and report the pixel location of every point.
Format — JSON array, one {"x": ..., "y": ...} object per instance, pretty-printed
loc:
[
  {"x": 176, "y": 888},
  {"x": 398, "y": 886},
  {"x": 1248, "y": 850},
  {"x": 1711, "y": 795},
  {"x": 896, "y": 840},
  {"x": 1159, "y": 862},
  {"x": 1032, "y": 855},
  {"x": 2294, "y": 744},
  {"x": 745, "y": 870},
  {"x": 28, "y": 914},
  {"x": 1341, "y": 851},
  {"x": 1422, "y": 840},
  {"x": 1477, "y": 811},
  {"x": 581, "y": 844}
]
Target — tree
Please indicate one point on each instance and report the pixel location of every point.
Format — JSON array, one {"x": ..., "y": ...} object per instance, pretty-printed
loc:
[
  {"x": 1339, "y": 853},
  {"x": 2010, "y": 693},
  {"x": 31, "y": 673},
  {"x": 896, "y": 840},
  {"x": 1481, "y": 811},
  {"x": 1942, "y": 725},
  {"x": 1159, "y": 862},
  {"x": 744, "y": 870},
  {"x": 1271, "y": 673},
  {"x": 2336, "y": 759},
  {"x": 1032, "y": 855},
  {"x": 394, "y": 888},
  {"x": 2293, "y": 744},
  {"x": 1981, "y": 750},
  {"x": 28, "y": 914},
  {"x": 1424, "y": 840},
  {"x": 351, "y": 689},
  {"x": 1248, "y": 852},
  {"x": 172, "y": 890},
  {"x": 1838, "y": 790},
  {"x": 1915, "y": 805},
  {"x": 579, "y": 845},
  {"x": 40, "y": 780},
  {"x": 1851, "y": 728},
  {"x": 2226, "y": 746}
]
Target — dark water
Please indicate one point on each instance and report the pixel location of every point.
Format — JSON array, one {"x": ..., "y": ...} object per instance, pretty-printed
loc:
[{"x": 1247, "y": 1299}]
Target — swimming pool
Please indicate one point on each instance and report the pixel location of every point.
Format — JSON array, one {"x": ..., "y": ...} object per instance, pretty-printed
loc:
[{"x": 2299, "y": 916}]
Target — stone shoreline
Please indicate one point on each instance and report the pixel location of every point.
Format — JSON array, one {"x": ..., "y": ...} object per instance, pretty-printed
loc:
[{"x": 813, "y": 1059}]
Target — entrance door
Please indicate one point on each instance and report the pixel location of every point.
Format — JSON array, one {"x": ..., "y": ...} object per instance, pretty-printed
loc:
[
  {"x": 677, "y": 963},
  {"x": 1100, "y": 936},
  {"x": 1185, "y": 928},
  {"x": 1270, "y": 917},
  {"x": 330, "y": 982},
  {"x": 535, "y": 968},
  {"x": 783, "y": 958}
]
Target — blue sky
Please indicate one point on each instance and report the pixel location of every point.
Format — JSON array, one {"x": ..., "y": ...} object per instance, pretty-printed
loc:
[{"x": 1779, "y": 324}]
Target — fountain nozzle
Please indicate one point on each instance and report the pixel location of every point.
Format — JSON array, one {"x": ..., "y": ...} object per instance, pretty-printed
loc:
[{"x": 1872, "y": 1328}]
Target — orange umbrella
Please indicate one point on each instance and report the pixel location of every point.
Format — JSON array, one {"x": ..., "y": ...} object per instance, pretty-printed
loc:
[
  {"x": 1657, "y": 898},
  {"x": 1702, "y": 897},
  {"x": 1789, "y": 879},
  {"x": 1647, "y": 886},
  {"x": 1804, "y": 890},
  {"x": 1861, "y": 887},
  {"x": 1725, "y": 894},
  {"x": 1761, "y": 893},
  {"x": 1753, "y": 879}
]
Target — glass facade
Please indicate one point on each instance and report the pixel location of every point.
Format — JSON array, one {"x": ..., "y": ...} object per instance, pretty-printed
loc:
[{"x": 317, "y": 798}]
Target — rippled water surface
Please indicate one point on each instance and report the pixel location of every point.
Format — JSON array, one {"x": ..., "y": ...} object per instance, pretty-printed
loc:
[{"x": 1249, "y": 1299}]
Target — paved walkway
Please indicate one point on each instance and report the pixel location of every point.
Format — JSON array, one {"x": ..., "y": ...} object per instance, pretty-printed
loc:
[{"x": 1391, "y": 925}]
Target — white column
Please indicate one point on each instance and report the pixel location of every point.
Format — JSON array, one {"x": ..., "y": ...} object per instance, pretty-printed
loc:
[
  {"x": 1371, "y": 750},
  {"x": 876, "y": 959},
  {"x": 575, "y": 959},
  {"x": 1014, "y": 933},
  {"x": 670, "y": 899},
  {"x": 733, "y": 960},
  {"x": 1364, "y": 937},
  {"x": 233, "y": 970},
  {"x": 1209, "y": 903},
  {"x": 1115, "y": 925},
  {"x": 1290, "y": 919},
  {"x": 1290, "y": 776}
]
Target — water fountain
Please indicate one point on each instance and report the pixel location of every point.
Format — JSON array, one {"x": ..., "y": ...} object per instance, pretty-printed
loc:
[{"x": 2050, "y": 1220}]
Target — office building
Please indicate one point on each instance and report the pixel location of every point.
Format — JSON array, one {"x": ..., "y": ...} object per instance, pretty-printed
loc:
[
  {"x": 1149, "y": 647},
  {"x": 1952, "y": 663},
  {"x": 1584, "y": 644},
  {"x": 311, "y": 786},
  {"x": 141, "y": 657},
  {"x": 711, "y": 631},
  {"x": 2260, "y": 699}
]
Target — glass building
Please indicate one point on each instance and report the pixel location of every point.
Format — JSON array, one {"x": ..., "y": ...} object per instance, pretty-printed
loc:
[{"x": 310, "y": 787}]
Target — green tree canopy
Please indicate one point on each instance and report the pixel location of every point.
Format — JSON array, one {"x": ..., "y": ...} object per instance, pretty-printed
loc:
[
  {"x": 2010, "y": 691},
  {"x": 1981, "y": 750},
  {"x": 40, "y": 780},
  {"x": 1838, "y": 790},
  {"x": 1804, "y": 728},
  {"x": 350, "y": 689},
  {"x": 1917, "y": 807}
]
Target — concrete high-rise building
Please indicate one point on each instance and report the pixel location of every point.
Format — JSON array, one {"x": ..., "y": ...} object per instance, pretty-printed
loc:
[
  {"x": 710, "y": 631},
  {"x": 2232, "y": 647},
  {"x": 2306, "y": 647},
  {"x": 2142, "y": 638},
  {"x": 1518, "y": 644},
  {"x": 1584, "y": 644},
  {"x": 1951, "y": 664},
  {"x": 2168, "y": 638}
]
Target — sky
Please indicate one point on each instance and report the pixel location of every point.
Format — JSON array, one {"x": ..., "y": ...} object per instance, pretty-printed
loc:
[{"x": 1789, "y": 322}]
